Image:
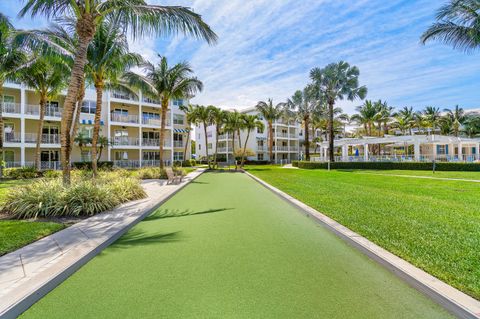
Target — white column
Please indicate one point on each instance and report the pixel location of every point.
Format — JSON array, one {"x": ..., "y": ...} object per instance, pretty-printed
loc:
[
  {"x": 171, "y": 135},
  {"x": 416, "y": 151},
  {"x": 460, "y": 152},
  {"x": 23, "y": 97},
  {"x": 140, "y": 128},
  {"x": 325, "y": 153},
  {"x": 365, "y": 152},
  {"x": 434, "y": 151},
  {"x": 344, "y": 152},
  {"x": 109, "y": 148}
]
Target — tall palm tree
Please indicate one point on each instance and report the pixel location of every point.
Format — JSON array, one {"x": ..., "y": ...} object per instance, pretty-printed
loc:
[
  {"x": 408, "y": 116},
  {"x": 458, "y": 25},
  {"x": 137, "y": 17},
  {"x": 432, "y": 116},
  {"x": 270, "y": 113},
  {"x": 165, "y": 83},
  {"x": 204, "y": 116},
  {"x": 337, "y": 81},
  {"x": 457, "y": 117},
  {"x": 366, "y": 116},
  {"x": 472, "y": 125},
  {"x": 402, "y": 123},
  {"x": 218, "y": 119},
  {"x": 233, "y": 124},
  {"x": 250, "y": 122},
  {"x": 12, "y": 57},
  {"x": 46, "y": 75},
  {"x": 190, "y": 118},
  {"x": 108, "y": 60}
]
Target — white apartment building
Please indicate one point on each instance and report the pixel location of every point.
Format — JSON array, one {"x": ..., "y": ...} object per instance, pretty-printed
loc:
[
  {"x": 287, "y": 137},
  {"x": 130, "y": 123}
]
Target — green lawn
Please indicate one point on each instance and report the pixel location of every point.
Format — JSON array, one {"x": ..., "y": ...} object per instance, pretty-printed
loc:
[
  {"x": 226, "y": 247},
  {"x": 435, "y": 224},
  {"x": 15, "y": 233},
  {"x": 438, "y": 174}
]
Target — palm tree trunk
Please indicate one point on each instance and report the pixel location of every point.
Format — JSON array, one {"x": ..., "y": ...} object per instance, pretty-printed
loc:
[
  {"x": 233, "y": 148},
  {"x": 43, "y": 102},
  {"x": 86, "y": 30},
  {"x": 239, "y": 139},
  {"x": 307, "y": 139},
  {"x": 244, "y": 149},
  {"x": 270, "y": 141},
  {"x": 1, "y": 129},
  {"x": 186, "y": 145},
  {"x": 206, "y": 142},
  {"x": 78, "y": 109},
  {"x": 162, "y": 129},
  {"x": 96, "y": 126},
  {"x": 216, "y": 148},
  {"x": 330, "y": 131}
]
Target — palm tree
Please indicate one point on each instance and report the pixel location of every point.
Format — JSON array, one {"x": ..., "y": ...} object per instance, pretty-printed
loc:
[
  {"x": 457, "y": 117},
  {"x": 137, "y": 17},
  {"x": 82, "y": 140},
  {"x": 457, "y": 25},
  {"x": 337, "y": 81},
  {"x": 402, "y": 123},
  {"x": 165, "y": 83},
  {"x": 233, "y": 124},
  {"x": 408, "y": 116},
  {"x": 270, "y": 113},
  {"x": 218, "y": 118},
  {"x": 101, "y": 143},
  {"x": 204, "y": 116},
  {"x": 47, "y": 77},
  {"x": 472, "y": 125},
  {"x": 190, "y": 118},
  {"x": 108, "y": 59},
  {"x": 11, "y": 59},
  {"x": 432, "y": 116},
  {"x": 250, "y": 122},
  {"x": 366, "y": 116}
]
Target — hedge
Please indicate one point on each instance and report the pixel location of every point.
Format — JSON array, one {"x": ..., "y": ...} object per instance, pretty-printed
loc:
[
  {"x": 426, "y": 166},
  {"x": 88, "y": 165}
]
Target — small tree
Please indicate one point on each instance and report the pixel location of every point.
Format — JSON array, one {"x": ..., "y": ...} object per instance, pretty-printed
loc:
[
  {"x": 270, "y": 113},
  {"x": 250, "y": 122},
  {"x": 204, "y": 116},
  {"x": 218, "y": 118},
  {"x": 190, "y": 118}
]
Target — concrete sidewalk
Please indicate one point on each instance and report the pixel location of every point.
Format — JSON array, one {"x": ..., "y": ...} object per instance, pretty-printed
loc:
[{"x": 30, "y": 272}]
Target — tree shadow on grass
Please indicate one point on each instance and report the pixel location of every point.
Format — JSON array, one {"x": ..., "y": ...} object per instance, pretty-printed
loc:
[
  {"x": 258, "y": 169},
  {"x": 137, "y": 238},
  {"x": 171, "y": 213},
  {"x": 197, "y": 182}
]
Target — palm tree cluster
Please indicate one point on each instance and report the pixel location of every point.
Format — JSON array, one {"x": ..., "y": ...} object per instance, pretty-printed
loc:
[
  {"x": 88, "y": 44},
  {"x": 379, "y": 119}
]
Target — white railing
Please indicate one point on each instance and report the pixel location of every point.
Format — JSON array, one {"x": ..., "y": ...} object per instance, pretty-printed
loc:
[
  {"x": 262, "y": 148},
  {"x": 150, "y": 163},
  {"x": 281, "y": 134},
  {"x": 13, "y": 164},
  {"x": 13, "y": 137},
  {"x": 125, "y": 140},
  {"x": 221, "y": 150},
  {"x": 124, "y": 118},
  {"x": 123, "y": 96},
  {"x": 149, "y": 100},
  {"x": 155, "y": 142},
  {"x": 294, "y": 136},
  {"x": 127, "y": 164},
  {"x": 281, "y": 148},
  {"x": 45, "y": 139},
  {"x": 222, "y": 136},
  {"x": 401, "y": 158},
  {"x": 11, "y": 108},
  {"x": 178, "y": 144},
  {"x": 293, "y": 149},
  {"x": 155, "y": 121},
  {"x": 51, "y": 111},
  {"x": 50, "y": 165}
]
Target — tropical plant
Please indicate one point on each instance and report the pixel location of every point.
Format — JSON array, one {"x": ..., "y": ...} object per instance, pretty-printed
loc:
[
  {"x": 204, "y": 116},
  {"x": 408, "y": 116},
  {"x": 366, "y": 116},
  {"x": 46, "y": 75},
  {"x": 108, "y": 60},
  {"x": 233, "y": 124},
  {"x": 102, "y": 143},
  {"x": 432, "y": 117},
  {"x": 270, "y": 113},
  {"x": 457, "y": 117},
  {"x": 471, "y": 125},
  {"x": 337, "y": 81},
  {"x": 190, "y": 118},
  {"x": 165, "y": 83},
  {"x": 458, "y": 25},
  {"x": 250, "y": 122},
  {"x": 82, "y": 140},
  {"x": 137, "y": 18},
  {"x": 12, "y": 57},
  {"x": 218, "y": 118}
]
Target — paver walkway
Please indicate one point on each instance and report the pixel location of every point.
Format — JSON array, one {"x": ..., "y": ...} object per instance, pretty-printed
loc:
[
  {"x": 24, "y": 271},
  {"x": 226, "y": 247}
]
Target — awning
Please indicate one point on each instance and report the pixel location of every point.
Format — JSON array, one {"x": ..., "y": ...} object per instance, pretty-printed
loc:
[
  {"x": 180, "y": 130},
  {"x": 261, "y": 138},
  {"x": 90, "y": 122}
]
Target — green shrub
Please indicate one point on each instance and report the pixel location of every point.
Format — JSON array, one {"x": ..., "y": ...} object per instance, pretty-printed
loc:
[
  {"x": 151, "y": 173},
  {"x": 125, "y": 188},
  {"x": 391, "y": 166},
  {"x": 21, "y": 173},
  {"x": 52, "y": 173},
  {"x": 87, "y": 199},
  {"x": 189, "y": 163},
  {"x": 106, "y": 165},
  {"x": 295, "y": 163}
]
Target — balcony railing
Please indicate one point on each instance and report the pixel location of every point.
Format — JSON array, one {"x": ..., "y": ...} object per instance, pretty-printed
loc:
[
  {"x": 281, "y": 134},
  {"x": 49, "y": 110},
  {"x": 293, "y": 149},
  {"x": 155, "y": 142},
  {"x": 127, "y": 163},
  {"x": 402, "y": 158},
  {"x": 125, "y": 140},
  {"x": 121, "y": 118},
  {"x": 262, "y": 148},
  {"x": 221, "y": 150},
  {"x": 178, "y": 144},
  {"x": 155, "y": 121},
  {"x": 149, "y": 100},
  {"x": 45, "y": 139},
  {"x": 281, "y": 148},
  {"x": 11, "y": 108},
  {"x": 123, "y": 96},
  {"x": 12, "y": 137}
]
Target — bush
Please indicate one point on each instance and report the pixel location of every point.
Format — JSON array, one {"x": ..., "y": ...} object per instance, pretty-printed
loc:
[
  {"x": 52, "y": 174},
  {"x": 295, "y": 163},
  {"x": 189, "y": 163},
  {"x": 106, "y": 165},
  {"x": 86, "y": 197},
  {"x": 156, "y": 172},
  {"x": 426, "y": 166},
  {"x": 255, "y": 162},
  {"x": 21, "y": 173}
]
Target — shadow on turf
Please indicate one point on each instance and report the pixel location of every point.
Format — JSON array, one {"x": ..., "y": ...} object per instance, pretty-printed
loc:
[
  {"x": 170, "y": 213},
  {"x": 138, "y": 238}
]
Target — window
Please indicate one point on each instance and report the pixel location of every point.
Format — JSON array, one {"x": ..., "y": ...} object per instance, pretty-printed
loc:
[
  {"x": 209, "y": 146},
  {"x": 260, "y": 156},
  {"x": 178, "y": 119},
  {"x": 178, "y": 137},
  {"x": 9, "y": 156},
  {"x": 121, "y": 155},
  {"x": 178, "y": 102},
  {"x": 259, "y": 130},
  {"x": 199, "y": 146},
  {"x": 151, "y": 156},
  {"x": 178, "y": 156},
  {"x": 120, "y": 112},
  {"x": 8, "y": 99},
  {"x": 89, "y": 107},
  {"x": 49, "y": 156},
  {"x": 50, "y": 130},
  {"x": 209, "y": 134},
  {"x": 151, "y": 115},
  {"x": 150, "y": 135},
  {"x": 442, "y": 149},
  {"x": 121, "y": 133}
]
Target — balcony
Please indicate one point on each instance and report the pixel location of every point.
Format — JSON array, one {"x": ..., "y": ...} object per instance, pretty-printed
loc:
[
  {"x": 151, "y": 101},
  {"x": 155, "y": 142},
  {"x": 222, "y": 136},
  {"x": 121, "y": 118},
  {"x": 11, "y": 108},
  {"x": 45, "y": 139},
  {"x": 52, "y": 111},
  {"x": 293, "y": 148},
  {"x": 125, "y": 141},
  {"x": 281, "y": 134},
  {"x": 262, "y": 148},
  {"x": 155, "y": 121},
  {"x": 222, "y": 150},
  {"x": 12, "y": 137},
  {"x": 123, "y": 96},
  {"x": 178, "y": 144},
  {"x": 281, "y": 148}
]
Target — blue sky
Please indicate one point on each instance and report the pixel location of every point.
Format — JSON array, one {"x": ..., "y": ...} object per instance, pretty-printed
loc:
[{"x": 267, "y": 48}]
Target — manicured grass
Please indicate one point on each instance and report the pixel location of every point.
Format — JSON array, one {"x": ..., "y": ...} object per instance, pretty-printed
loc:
[
  {"x": 435, "y": 224},
  {"x": 226, "y": 247},
  {"x": 437, "y": 174}
]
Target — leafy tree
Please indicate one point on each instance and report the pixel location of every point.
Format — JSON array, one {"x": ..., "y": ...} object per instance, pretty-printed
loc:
[
  {"x": 137, "y": 18},
  {"x": 190, "y": 118},
  {"x": 471, "y": 125},
  {"x": 337, "y": 81},
  {"x": 270, "y": 113},
  {"x": 233, "y": 124},
  {"x": 165, "y": 83},
  {"x": 250, "y": 122},
  {"x": 366, "y": 116},
  {"x": 218, "y": 118},
  {"x": 408, "y": 116},
  {"x": 204, "y": 116},
  {"x": 458, "y": 25},
  {"x": 432, "y": 116},
  {"x": 457, "y": 117}
]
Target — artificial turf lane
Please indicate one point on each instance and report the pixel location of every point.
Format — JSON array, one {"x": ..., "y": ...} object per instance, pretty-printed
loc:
[{"x": 226, "y": 247}]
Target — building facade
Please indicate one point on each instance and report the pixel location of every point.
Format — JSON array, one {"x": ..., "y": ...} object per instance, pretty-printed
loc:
[
  {"x": 130, "y": 123},
  {"x": 286, "y": 142}
]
